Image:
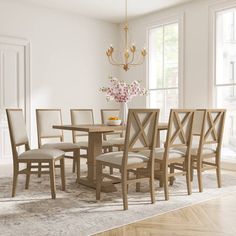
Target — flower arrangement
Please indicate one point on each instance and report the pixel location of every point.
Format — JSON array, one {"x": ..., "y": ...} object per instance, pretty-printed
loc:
[{"x": 121, "y": 91}]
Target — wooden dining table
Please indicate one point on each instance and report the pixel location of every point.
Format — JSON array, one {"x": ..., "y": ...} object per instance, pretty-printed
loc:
[{"x": 95, "y": 135}]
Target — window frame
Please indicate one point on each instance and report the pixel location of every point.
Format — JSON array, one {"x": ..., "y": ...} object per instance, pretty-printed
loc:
[
  {"x": 212, "y": 44},
  {"x": 162, "y": 22}
]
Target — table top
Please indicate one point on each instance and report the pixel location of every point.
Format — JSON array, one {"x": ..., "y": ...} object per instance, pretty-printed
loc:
[{"x": 99, "y": 128}]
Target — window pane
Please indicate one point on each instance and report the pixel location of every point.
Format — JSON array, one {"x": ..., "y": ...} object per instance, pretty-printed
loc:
[
  {"x": 225, "y": 48},
  {"x": 171, "y": 49},
  {"x": 226, "y": 98},
  {"x": 225, "y": 74},
  {"x": 156, "y": 79},
  {"x": 164, "y": 100}
]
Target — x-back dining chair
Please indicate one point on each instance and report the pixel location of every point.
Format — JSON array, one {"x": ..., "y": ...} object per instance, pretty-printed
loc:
[
  {"x": 84, "y": 117},
  {"x": 18, "y": 136},
  {"x": 209, "y": 127},
  {"x": 170, "y": 158},
  {"x": 119, "y": 140},
  {"x": 46, "y": 118},
  {"x": 140, "y": 135}
]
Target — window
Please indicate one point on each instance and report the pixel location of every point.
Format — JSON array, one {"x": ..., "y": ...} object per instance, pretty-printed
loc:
[
  {"x": 163, "y": 81},
  {"x": 225, "y": 78}
]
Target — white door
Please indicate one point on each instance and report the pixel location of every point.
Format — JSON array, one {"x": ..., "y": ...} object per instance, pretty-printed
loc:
[{"x": 12, "y": 89}]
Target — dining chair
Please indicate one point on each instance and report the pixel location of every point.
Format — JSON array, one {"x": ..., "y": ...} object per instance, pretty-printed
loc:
[
  {"x": 84, "y": 117},
  {"x": 209, "y": 126},
  {"x": 115, "y": 138},
  {"x": 140, "y": 135},
  {"x": 18, "y": 137},
  {"x": 49, "y": 137},
  {"x": 170, "y": 158}
]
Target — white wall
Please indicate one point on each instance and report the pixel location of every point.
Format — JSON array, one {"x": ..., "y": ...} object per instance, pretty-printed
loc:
[
  {"x": 68, "y": 61},
  {"x": 196, "y": 53}
]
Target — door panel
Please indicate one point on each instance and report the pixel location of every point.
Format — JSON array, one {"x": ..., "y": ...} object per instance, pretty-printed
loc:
[{"x": 12, "y": 90}]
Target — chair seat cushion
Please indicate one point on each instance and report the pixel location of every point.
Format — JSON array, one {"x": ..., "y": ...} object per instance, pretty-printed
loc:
[
  {"x": 61, "y": 146},
  {"x": 41, "y": 154},
  {"x": 116, "y": 141},
  {"x": 116, "y": 158},
  {"x": 84, "y": 144},
  {"x": 159, "y": 153},
  {"x": 194, "y": 151}
]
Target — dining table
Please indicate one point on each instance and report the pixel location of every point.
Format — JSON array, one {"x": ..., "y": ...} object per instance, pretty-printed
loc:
[{"x": 95, "y": 136}]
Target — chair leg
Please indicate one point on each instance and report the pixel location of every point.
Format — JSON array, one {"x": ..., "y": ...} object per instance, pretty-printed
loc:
[
  {"x": 52, "y": 179},
  {"x": 78, "y": 164},
  {"x": 138, "y": 185},
  {"x": 15, "y": 176},
  {"x": 161, "y": 184},
  {"x": 98, "y": 180},
  {"x": 152, "y": 191},
  {"x": 199, "y": 176},
  {"x": 124, "y": 190},
  {"x": 74, "y": 164},
  {"x": 39, "y": 169},
  {"x": 188, "y": 179},
  {"x": 172, "y": 170},
  {"x": 63, "y": 179},
  {"x": 166, "y": 183},
  {"x": 28, "y": 176},
  {"x": 192, "y": 169},
  {"x": 111, "y": 170},
  {"x": 218, "y": 173}
]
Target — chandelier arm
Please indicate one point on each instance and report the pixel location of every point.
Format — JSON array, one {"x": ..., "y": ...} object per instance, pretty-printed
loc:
[
  {"x": 138, "y": 63},
  {"x": 132, "y": 58},
  {"x": 113, "y": 62}
]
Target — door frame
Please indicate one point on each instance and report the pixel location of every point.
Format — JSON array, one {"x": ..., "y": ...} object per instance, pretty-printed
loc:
[{"x": 26, "y": 44}]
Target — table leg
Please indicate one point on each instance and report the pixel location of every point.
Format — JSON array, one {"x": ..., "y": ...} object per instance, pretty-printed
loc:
[{"x": 95, "y": 149}]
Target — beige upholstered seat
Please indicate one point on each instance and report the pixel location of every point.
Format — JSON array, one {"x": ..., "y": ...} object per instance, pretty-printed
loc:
[
  {"x": 42, "y": 157},
  {"x": 140, "y": 135},
  {"x": 116, "y": 141},
  {"x": 41, "y": 154},
  {"x": 159, "y": 153},
  {"x": 62, "y": 146},
  {"x": 116, "y": 158},
  {"x": 194, "y": 151},
  {"x": 46, "y": 118}
]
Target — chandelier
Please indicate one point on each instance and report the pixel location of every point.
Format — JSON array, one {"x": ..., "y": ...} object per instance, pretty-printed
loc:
[{"x": 129, "y": 53}]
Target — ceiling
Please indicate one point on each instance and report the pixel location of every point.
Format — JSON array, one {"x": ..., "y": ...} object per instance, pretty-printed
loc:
[{"x": 108, "y": 10}]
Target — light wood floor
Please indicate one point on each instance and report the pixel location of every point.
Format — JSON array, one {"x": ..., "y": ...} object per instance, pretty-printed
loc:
[{"x": 216, "y": 217}]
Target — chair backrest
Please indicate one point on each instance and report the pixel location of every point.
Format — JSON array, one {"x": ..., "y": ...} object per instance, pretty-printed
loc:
[
  {"x": 106, "y": 113},
  {"x": 141, "y": 131},
  {"x": 46, "y": 118},
  {"x": 81, "y": 117},
  {"x": 212, "y": 128},
  {"x": 179, "y": 133},
  {"x": 17, "y": 130}
]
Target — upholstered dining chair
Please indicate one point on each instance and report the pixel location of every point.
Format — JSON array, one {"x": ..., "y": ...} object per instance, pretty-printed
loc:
[
  {"x": 46, "y": 118},
  {"x": 170, "y": 158},
  {"x": 115, "y": 138},
  {"x": 18, "y": 136},
  {"x": 84, "y": 117},
  {"x": 209, "y": 127},
  {"x": 140, "y": 135}
]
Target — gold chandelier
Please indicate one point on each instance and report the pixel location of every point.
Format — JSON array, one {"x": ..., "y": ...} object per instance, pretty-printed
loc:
[{"x": 129, "y": 52}]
